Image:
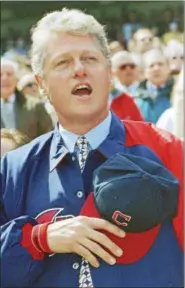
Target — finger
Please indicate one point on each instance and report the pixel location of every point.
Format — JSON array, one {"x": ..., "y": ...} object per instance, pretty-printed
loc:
[
  {"x": 101, "y": 224},
  {"x": 85, "y": 253},
  {"x": 102, "y": 239},
  {"x": 99, "y": 251}
]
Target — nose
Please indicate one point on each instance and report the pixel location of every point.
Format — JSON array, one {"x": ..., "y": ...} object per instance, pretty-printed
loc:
[
  {"x": 79, "y": 69},
  {"x": 5, "y": 77},
  {"x": 156, "y": 67}
]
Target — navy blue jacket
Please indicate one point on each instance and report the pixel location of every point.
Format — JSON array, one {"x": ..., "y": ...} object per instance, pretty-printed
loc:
[{"x": 40, "y": 182}]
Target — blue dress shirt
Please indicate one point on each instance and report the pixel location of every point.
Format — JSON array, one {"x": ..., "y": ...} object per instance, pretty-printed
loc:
[{"x": 95, "y": 136}]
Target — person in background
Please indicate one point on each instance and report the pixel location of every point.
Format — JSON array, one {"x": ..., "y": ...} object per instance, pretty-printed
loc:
[
  {"x": 132, "y": 24},
  {"x": 12, "y": 139},
  {"x": 115, "y": 46},
  {"x": 173, "y": 34},
  {"x": 125, "y": 81},
  {"x": 10, "y": 52},
  {"x": 153, "y": 94},
  {"x": 165, "y": 18},
  {"x": 20, "y": 46},
  {"x": 138, "y": 60},
  {"x": 174, "y": 53},
  {"x": 125, "y": 72},
  {"x": 172, "y": 119},
  {"x": 28, "y": 86},
  {"x": 178, "y": 104},
  {"x": 143, "y": 40},
  {"x": 18, "y": 111},
  {"x": 45, "y": 184}
]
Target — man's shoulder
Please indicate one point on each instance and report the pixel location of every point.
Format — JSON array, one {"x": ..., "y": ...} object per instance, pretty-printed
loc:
[
  {"x": 27, "y": 100},
  {"x": 146, "y": 133}
]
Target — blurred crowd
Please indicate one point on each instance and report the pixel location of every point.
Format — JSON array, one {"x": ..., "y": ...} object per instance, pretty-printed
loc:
[{"x": 147, "y": 83}]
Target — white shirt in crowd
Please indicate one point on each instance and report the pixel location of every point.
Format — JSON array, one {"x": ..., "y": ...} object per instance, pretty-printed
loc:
[{"x": 166, "y": 120}]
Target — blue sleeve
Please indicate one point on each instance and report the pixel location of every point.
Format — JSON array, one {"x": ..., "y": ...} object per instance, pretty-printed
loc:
[{"x": 18, "y": 268}]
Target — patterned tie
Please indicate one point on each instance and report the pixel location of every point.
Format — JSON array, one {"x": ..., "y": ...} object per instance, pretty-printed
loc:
[{"x": 82, "y": 147}]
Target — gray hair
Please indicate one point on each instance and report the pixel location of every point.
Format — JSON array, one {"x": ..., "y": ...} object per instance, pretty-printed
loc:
[
  {"x": 154, "y": 53},
  {"x": 120, "y": 58},
  {"x": 13, "y": 64},
  {"x": 71, "y": 21}
]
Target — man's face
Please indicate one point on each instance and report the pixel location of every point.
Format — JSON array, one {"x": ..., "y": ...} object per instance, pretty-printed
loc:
[
  {"x": 144, "y": 41},
  {"x": 76, "y": 77},
  {"x": 126, "y": 73},
  {"x": 175, "y": 63},
  {"x": 31, "y": 89},
  {"x": 157, "y": 70},
  {"x": 8, "y": 81}
]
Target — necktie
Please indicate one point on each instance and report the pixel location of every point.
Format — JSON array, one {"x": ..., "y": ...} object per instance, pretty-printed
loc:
[{"x": 82, "y": 148}]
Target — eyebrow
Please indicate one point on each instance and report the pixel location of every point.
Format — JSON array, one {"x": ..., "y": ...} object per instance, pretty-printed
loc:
[
  {"x": 69, "y": 54},
  {"x": 157, "y": 62}
]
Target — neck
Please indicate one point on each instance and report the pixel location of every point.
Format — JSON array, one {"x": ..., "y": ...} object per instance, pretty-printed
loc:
[
  {"x": 127, "y": 84},
  {"x": 82, "y": 126},
  {"x": 6, "y": 96},
  {"x": 159, "y": 84}
]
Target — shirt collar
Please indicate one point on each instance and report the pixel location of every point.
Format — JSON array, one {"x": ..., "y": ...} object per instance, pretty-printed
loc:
[
  {"x": 134, "y": 85},
  {"x": 152, "y": 86},
  {"x": 102, "y": 130},
  {"x": 107, "y": 145},
  {"x": 131, "y": 88},
  {"x": 11, "y": 99}
]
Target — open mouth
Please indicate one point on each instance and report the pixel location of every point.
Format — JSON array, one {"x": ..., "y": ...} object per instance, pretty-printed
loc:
[{"x": 82, "y": 90}]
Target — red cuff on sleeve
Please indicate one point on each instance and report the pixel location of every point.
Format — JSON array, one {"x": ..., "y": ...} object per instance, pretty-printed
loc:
[
  {"x": 42, "y": 238},
  {"x": 28, "y": 243}
]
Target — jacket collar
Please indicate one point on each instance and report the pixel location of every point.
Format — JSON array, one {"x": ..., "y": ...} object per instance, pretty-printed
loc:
[
  {"x": 144, "y": 93},
  {"x": 57, "y": 150},
  {"x": 113, "y": 143}
]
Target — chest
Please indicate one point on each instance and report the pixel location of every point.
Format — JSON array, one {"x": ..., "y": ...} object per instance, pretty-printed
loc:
[{"x": 61, "y": 191}]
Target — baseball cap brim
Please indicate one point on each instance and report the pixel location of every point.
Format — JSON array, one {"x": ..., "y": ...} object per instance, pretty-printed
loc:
[{"x": 134, "y": 245}]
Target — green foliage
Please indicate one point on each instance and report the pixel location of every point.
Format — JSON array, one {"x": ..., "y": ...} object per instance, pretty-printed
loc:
[{"x": 20, "y": 16}]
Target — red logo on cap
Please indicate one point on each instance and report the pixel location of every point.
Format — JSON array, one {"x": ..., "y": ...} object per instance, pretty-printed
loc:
[{"x": 118, "y": 218}]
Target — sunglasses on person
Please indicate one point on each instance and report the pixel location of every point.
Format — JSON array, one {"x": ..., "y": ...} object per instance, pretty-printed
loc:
[
  {"x": 125, "y": 66},
  {"x": 30, "y": 85},
  {"x": 178, "y": 57},
  {"x": 150, "y": 39}
]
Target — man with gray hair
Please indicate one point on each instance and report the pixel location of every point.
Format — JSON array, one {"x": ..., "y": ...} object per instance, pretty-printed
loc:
[
  {"x": 46, "y": 183},
  {"x": 124, "y": 84},
  {"x": 125, "y": 72},
  {"x": 153, "y": 94},
  {"x": 174, "y": 53},
  {"x": 18, "y": 111}
]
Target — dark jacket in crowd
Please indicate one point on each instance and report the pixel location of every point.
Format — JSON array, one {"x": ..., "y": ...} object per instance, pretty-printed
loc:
[
  {"x": 153, "y": 102},
  {"x": 31, "y": 117}
]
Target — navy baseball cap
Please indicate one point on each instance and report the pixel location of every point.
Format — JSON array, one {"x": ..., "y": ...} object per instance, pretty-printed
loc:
[{"x": 136, "y": 194}]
